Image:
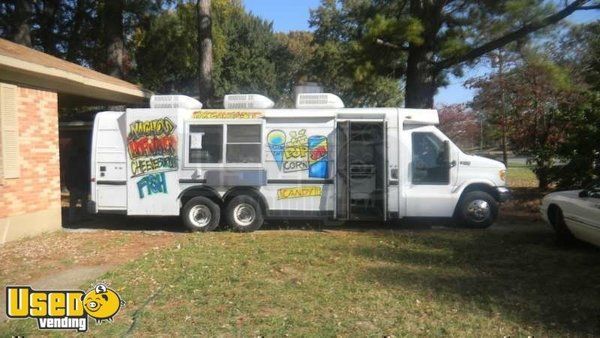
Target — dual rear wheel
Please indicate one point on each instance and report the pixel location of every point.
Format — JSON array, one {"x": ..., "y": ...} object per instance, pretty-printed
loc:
[{"x": 242, "y": 213}]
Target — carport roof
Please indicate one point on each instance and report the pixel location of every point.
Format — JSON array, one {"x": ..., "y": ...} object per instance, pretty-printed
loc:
[{"x": 26, "y": 66}]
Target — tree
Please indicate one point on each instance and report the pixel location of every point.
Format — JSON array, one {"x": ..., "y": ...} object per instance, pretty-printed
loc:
[
  {"x": 538, "y": 96},
  {"x": 580, "y": 52},
  {"x": 460, "y": 124},
  {"x": 112, "y": 19},
  {"x": 421, "y": 41},
  {"x": 205, "y": 59}
]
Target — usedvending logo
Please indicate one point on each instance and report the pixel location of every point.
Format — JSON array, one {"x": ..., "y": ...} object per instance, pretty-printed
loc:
[{"x": 63, "y": 309}]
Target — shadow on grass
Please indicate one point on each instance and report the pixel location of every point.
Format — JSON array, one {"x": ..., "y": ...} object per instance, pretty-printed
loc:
[
  {"x": 523, "y": 277},
  {"x": 122, "y": 223}
]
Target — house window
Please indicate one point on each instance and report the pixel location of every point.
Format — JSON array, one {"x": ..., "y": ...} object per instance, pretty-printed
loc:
[
  {"x": 206, "y": 144},
  {"x": 9, "y": 132},
  {"x": 243, "y": 143}
]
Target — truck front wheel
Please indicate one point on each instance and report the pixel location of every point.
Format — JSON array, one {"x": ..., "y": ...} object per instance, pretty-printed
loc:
[
  {"x": 244, "y": 214},
  {"x": 201, "y": 214},
  {"x": 477, "y": 209}
]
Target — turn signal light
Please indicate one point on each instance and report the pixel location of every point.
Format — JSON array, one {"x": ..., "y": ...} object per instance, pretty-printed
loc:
[{"x": 502, "y": 174}]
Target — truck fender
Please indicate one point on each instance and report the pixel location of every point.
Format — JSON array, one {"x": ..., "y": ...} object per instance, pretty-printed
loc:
[{"x": 199, "y": 190}]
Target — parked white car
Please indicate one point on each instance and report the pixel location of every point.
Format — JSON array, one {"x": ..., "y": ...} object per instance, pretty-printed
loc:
[{"x": 574, "y": 213}]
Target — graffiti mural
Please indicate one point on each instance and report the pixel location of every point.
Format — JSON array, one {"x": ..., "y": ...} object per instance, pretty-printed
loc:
[
  {"x": 296, "y": 151},
  {"x": 152, "y": 146},
  {"x": 152, "y": 184},
  {"x": 299, "y": 192}
]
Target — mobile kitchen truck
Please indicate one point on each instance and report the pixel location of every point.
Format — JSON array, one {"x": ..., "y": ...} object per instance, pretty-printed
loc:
[{"x": 249, "y": 162}]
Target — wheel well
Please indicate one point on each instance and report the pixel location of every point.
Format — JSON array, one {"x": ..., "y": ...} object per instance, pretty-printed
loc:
[
  {"x": 207, "y": 192},
  {"x": 477, "y": 187},
  {"x": 552, "y": 210},
  {"x": 248, "y": 191},
  {"x": 482, "y": 187}
]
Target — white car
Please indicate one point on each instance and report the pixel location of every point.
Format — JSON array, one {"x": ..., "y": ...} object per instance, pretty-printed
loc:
[{"x": 574, "y": 213}]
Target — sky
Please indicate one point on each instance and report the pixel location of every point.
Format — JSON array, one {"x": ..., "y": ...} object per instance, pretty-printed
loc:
[{"x": 290, "y": 15}]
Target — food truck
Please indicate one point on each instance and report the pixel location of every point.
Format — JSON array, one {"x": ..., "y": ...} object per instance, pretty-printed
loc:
[{"x": 249, "y": 162}]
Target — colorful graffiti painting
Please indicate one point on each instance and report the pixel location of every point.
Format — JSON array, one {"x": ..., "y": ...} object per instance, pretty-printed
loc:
[
  {"x": 152, "y": 146},
  {"x": 298, "y": 152},
  {"x": 152, "y": 184},
  {"x": 299, "y": 192}
]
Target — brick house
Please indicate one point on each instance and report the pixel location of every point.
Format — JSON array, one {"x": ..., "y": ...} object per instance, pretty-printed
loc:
[{"x": 33, "y": 86}]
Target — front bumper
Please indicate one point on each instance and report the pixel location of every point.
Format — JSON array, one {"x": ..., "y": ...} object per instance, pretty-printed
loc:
[{"x": 504, "y": 194}]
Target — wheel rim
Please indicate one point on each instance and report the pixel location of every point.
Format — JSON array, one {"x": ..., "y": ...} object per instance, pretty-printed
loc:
[
  {"x": 200, "y": 215},
  {"x": 479, "y": 210},
  {"x": 244, "y": 214}
]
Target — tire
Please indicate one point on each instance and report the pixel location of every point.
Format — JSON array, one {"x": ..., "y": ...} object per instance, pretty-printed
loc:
[
  {"x": 201, "y": 214},
  {"x": 563, "y": 234},
  {"x": 477, "y": 209},
  {"x": 244, "y": 214}
]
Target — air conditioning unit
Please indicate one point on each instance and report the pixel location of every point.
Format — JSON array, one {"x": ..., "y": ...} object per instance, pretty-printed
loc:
[
  {"x": 174, "y": 101},
  {"x": 247, "y": 101},
  {"x": 318, "y": 100}
]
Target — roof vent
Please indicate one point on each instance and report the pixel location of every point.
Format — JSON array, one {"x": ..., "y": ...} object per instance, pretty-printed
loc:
[
  {"x": 247, "y": 101},
  {"x": 174, "y": 101},
  {"x": 318, "y": 100}
]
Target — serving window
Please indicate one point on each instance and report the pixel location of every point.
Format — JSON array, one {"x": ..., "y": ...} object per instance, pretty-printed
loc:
[{"x": 223, "y": 144}]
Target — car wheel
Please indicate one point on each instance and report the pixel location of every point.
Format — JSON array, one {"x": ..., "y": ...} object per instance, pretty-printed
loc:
[
  {"x": 563, "y": 234},
  {"x": 477, "y": 209},
  {"x": 244, "y": 214},
  {"x": 201, "y": 214}
]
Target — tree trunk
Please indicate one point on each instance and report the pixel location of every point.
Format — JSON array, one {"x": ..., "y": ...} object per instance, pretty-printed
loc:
[
  {"x": 74, "y": 41},
  {"x": 205, "y": 53},
  {"x": 113, "y": 37},
  {"x": 421, "y": 83},
  {"x": 22, "y": 28},
  {"x": 47, "y": 30}
]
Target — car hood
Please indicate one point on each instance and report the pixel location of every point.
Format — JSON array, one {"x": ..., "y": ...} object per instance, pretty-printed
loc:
[{"x": 564, "y": 194}]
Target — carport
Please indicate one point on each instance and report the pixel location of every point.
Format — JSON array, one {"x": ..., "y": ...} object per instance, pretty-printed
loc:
[{"x": 34, "y": 88}]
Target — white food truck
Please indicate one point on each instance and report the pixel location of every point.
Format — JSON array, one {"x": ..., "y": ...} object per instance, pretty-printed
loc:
[{"x": 249, "y": 162}]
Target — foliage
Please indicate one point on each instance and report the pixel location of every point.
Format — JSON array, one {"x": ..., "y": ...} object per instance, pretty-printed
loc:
[
  {"x": 552, "y": 104},
  {"x": 581, "y": 149},
  {"x": 460, "y": 124},
  {"x": 420, "y": 42}
]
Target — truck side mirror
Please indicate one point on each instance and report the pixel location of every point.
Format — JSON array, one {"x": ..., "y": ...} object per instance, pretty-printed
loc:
[{"x": 448, "y": 155}]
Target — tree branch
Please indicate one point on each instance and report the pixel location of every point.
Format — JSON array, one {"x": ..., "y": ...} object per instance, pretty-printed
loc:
[
  {"x": 510, "y": 37},
  {"x": 585, "y": 8},
  {"x": 389, "y": 44}
]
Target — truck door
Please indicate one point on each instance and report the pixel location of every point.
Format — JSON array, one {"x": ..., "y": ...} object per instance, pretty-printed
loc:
[
  {"x": 342, "y": 187},
  {"x": 432, "y": 174},
  {"x": 109, "y": 167}
]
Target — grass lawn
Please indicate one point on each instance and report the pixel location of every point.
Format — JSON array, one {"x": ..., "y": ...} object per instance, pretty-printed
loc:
[
  {"x": 505, "y": 281},
  {"x": 521, "y": 176}
]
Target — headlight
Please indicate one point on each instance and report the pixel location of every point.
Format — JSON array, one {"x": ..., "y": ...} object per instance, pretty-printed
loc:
[{"x": 502, "y": 175}]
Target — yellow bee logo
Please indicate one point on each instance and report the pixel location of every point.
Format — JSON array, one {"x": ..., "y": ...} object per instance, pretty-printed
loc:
[{"x": 102, "y": 303}]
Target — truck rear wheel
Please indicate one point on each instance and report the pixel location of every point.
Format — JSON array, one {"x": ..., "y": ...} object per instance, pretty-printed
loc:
[
  {"x": 201, "y": 214},
  {"x": 477, "y": 209},
  {"x": 244, "y": 214}
]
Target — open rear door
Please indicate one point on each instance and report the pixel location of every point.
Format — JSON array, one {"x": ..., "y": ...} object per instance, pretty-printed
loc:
[{"x": 342, "y": 177}]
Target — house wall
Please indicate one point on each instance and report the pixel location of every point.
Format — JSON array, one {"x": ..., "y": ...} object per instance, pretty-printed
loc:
[{"x": 30, "y": 204}]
